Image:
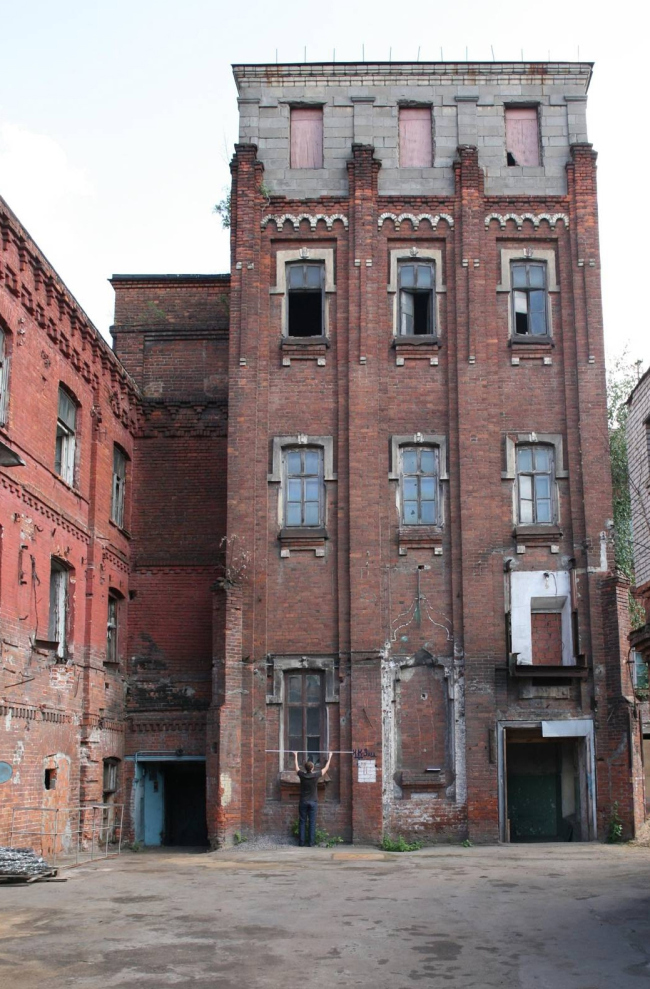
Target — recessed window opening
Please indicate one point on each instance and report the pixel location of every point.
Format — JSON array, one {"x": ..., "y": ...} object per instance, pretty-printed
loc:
[
  {"x": 419, "y": 479},
  {"x": 64, "y": 452},
  {"x": 529, "y": 299},
  {"x": 305, "y": 715},
  {"x": 415, "y": 137},
  {"x": 49, "y": 780},
  {"x": 305, "y": 300},
  {"x": 304, "y": 487},
  {"x": 4, "y": 376},
  {"x": 535, "y": 477},
  {"x": 416, "y": 295},
  {"x": 119, "y": 486},
  {"x": 110, "y": 775},
  {"x": 58, "y": 608},
  {"x": 307, "y": 137},
  {"x": 112, "y": 630},
  {"x": 522, "y": 136}
]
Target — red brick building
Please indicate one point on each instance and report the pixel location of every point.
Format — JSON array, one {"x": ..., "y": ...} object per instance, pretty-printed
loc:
[{"x": 368, "y": 486}]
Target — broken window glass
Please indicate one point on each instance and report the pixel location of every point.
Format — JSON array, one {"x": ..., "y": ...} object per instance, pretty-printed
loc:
[
  {"x": 57, "y": 631},
  {"x": 535, "y": 483},
  {"x": 112, "y": 630},
  {"x": 304, "y": 500},
  {"x": 416, "y": 299},
  {"x": 4, "y": 376},
  {"x": 305, "y": 715},
  {"x": 419, "y": 482},
  {"x": 119, "y": 486},
  {"x": 305, "y": 300},
  {"x": 529, "y": 299}
]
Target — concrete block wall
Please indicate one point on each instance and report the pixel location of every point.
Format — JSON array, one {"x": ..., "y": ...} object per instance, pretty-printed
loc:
[{"x": 361, "y": 105}]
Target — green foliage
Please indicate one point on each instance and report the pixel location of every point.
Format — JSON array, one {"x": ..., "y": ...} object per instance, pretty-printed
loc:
[
  {"x": 223, "y": 209},
  {"x": 239, "y": 838},
  {"x": 322, "y": 837},
  {"x": 622, "y": 376},
  {"x": 467, "y": 843},
  {"x": 615, "y": 827},
  {"x": 134, "y": 846},
  {"x": 398, "y": 844}
]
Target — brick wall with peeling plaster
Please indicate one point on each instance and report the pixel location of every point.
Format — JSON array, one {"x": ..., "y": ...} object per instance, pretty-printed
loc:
[{"x": 213, "y": 388}]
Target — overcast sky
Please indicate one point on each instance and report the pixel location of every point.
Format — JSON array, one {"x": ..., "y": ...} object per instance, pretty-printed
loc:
[{"x": 117, "y": 119}]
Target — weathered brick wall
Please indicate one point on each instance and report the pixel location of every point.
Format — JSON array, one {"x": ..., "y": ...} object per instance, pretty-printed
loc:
[
  {"x": 638, "y": 452},
  {"x": 65, "y": 717}
]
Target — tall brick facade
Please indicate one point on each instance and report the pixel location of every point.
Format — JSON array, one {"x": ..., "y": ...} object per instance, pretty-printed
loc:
[{"x": 370, "y": 515}]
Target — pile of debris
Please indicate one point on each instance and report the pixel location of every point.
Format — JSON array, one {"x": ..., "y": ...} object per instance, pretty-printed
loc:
[{"x": 23, "y": 865}]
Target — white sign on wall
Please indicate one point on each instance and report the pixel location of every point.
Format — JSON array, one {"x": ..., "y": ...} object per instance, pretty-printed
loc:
[{"x": 367, "y": 770}]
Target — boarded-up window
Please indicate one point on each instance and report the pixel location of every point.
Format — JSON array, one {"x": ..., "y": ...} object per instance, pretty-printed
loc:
[
  {"x": 546, "y": 633},
  {"x": 415, "y": 143},
  {"x": 307, "y": 137},
  {"x": 522, "y": 136}
]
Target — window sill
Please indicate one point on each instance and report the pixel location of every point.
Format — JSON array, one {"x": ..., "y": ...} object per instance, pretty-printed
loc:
[
  {"x": 304, "y": 349},
  {"x": 419, "y": 537},
  {"x": 532, "y": 672},
  {"x": 422, "y": 782},
  {"x": 416, "y": 348},
  {"x": 125, "y": 532},
  {"x": 302, "y": 540},
  {"x": 538, "y": 535}
]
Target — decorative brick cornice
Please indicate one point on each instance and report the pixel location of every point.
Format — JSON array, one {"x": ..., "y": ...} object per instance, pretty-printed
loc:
[
  {"x": 398, "y": 219},
  {"x": 47, "y": 301},
  {"x": 518, "y": 219},
  {"x": 182, "y": 418},
  {"x": 296, "y": 218},
  {"x": 36, "y": 504}
]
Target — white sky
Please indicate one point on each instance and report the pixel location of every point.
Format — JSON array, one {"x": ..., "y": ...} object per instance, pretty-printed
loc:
[{"x": 117, "y": 119}]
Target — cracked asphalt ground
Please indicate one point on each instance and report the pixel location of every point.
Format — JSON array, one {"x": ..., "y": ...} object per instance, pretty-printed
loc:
[{"x": 521, "y": 917}]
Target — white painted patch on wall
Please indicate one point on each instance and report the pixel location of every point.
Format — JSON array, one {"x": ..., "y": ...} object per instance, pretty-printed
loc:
[
  {"x": 529, "y": 590},
  {"x": 225, "y": 785}
]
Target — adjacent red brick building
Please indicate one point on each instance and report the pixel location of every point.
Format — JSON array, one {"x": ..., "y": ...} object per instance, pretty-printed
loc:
[{"x": 367, "y": 494}]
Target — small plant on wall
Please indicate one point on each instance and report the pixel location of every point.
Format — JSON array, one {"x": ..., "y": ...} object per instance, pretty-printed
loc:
[{"x": 235, "y": 564}]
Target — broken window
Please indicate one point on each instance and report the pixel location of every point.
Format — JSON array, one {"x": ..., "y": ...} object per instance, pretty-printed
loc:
[
  {"x": 535, "y": 484},
  {"x": 416, "y": 295},
  {"x": 110, "y": 776},
  {"x": 639, "y": 671},
  {"x": 305, "y": 300},
  {"x": 304, "y": 500},
  {"x": 58, "y": 608},
  {"x": 529, "y": 314},
  {"x": 4, "y": 376},
  {"x": 49, "y": 779},
  {"x": 64, "y": 453},
  {"x": 112, "y": 629},
  {"x": 119, "y": 486},
  {"x": 415, "y": 137},
  {"x": 522, "y": 136},
  {"x": 419, "y": 485},
  {"x": 305, "y": 714},
  {"x": 307, "y": 137}
]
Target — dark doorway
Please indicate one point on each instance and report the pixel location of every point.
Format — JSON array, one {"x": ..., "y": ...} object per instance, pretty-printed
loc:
[
  {"x": 185, "y": 822},
  {"x": 543, "y": 788}
]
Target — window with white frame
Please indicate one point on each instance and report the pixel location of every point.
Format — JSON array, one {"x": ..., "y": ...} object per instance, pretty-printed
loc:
[
  {"x": 64, "y": 455},
  {"x": 112, "y": 629},
  {"x": 119, "y": 485},
  {"x": 304, "y": 490},
  {"x": 416, "y": 298},
  {"x": 535, "y": 484},
  {"x": 58, "y": 624},
  {"x": 305, "y": 299},
  {"x": 419, "y": 475},
  {"x": 529, "y": 299},
  {"x": 4, "y": 376}
]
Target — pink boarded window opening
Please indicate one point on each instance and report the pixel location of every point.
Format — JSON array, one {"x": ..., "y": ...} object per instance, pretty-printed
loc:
[
  {"x": 415, "y": 145},
  {"x": 307, "y": 137},
  {"x": 522, "y": 137}
]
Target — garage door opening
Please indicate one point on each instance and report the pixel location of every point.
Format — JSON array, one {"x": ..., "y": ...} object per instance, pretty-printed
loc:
[{"x": 545, "y": 787}]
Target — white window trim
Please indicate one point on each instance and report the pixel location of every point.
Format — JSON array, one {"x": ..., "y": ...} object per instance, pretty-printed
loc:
[
  {"x": 283, "y": 258},
  {"x": 58, "y": 622},
  {"x": 4, "y": 376},
  {"x": 415, "y": 254},
  {"x": 280, "y": 444},
  {"x": 419, "y": 439},
  {"x": 512, "y": 441},
  {"x": 539, "y": 591},
  {"x": 525, "y": 254}
]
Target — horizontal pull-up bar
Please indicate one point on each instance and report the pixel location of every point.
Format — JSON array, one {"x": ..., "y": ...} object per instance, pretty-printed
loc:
[{"x": 314, "y": 751}]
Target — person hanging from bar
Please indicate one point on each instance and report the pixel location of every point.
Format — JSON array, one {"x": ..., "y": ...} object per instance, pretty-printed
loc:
[{"x": 308, "y": 805}]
